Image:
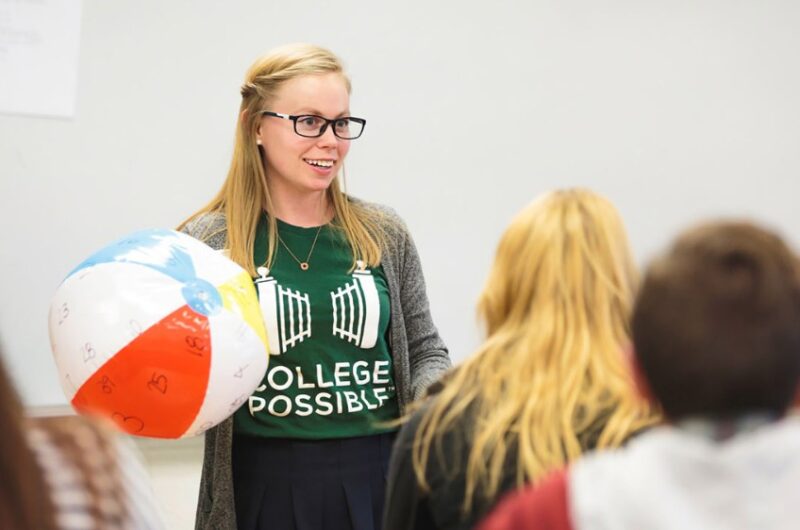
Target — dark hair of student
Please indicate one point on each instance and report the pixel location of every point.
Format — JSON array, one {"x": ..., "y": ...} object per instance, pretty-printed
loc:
[{"x": 716, "y": 324}]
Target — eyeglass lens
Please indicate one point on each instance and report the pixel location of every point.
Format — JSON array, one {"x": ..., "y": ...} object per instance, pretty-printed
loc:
[{"x": 344, "y": 128}]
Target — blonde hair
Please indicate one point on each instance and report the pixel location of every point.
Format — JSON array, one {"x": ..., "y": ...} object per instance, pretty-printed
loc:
[
  {"x": 245, "y": 194},
  {"x": 556, "y": 307}
]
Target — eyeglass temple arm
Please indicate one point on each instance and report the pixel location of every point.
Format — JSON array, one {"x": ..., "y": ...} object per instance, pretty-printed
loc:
[{"x": 278, "y": 115}]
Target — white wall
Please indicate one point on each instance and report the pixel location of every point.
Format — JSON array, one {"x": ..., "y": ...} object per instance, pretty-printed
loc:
[{"x": 174, "y": 469}]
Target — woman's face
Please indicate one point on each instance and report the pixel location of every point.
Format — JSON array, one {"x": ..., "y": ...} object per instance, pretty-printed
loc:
[{"x": 296, "y": 164}]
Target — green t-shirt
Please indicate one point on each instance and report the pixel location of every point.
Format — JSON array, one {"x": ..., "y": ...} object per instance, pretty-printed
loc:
[{"x": 330, "y": 370}]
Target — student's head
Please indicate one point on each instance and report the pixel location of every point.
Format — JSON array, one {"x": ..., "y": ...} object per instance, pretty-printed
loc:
[
  {"x": 552, "y": 369},
  {"x": 562, "y": 257},
  {"x": 716, "y": 325}
]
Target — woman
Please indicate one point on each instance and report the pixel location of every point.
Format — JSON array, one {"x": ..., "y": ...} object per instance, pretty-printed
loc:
[
  {"x": 68, "y": 473},
  {"x": 344, "y": 304},
  {"x": 550, "y": 381}
]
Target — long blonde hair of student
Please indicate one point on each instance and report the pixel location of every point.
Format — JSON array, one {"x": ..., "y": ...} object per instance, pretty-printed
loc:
[
  {"x": 245, "y": 193},
  {"x": 556, "y": 308}
]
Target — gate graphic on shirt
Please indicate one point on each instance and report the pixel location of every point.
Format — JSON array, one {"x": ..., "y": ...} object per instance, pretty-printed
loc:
[
  {"x": 287, "y": 313},
  {"x": 357, "y": 310}
]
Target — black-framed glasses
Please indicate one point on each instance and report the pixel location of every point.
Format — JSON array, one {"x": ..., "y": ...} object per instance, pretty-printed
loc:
[{"x": 313, "y": 126}]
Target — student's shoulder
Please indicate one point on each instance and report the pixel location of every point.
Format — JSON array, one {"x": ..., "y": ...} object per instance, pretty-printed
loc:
[
  {"x": 545, "y": 505},
  {"x": 429, "y": 399},
  {"x": 385, "y": 216}
]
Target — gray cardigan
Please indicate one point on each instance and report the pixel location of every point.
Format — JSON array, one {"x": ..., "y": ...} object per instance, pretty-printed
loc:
[{"x": 419, "y": 354}]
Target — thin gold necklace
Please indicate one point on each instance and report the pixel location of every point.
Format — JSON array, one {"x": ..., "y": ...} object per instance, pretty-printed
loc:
[{"x": 303, "y": 264}]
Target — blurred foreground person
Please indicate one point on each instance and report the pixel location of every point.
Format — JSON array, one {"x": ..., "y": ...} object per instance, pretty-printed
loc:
[
  {"x": 716, "y": 331},
  {"x": 68, "y": 473},
  {"x": 550, "y": 381}
]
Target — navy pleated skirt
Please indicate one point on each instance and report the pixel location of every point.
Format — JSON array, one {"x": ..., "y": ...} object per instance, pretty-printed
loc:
[{"x": 285, "y": 484}]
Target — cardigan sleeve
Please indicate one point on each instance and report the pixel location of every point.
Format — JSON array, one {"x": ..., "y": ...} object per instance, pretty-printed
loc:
[{"x": 428, "y": 356}]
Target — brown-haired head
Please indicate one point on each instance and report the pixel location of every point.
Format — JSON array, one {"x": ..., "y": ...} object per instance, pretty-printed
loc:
[{"x": 716, "y": 324}]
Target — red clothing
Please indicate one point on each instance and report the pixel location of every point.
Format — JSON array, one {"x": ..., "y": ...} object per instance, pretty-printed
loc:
[
  {"x": 545, "y": 507},
  {"x": 686, "y": 477}
]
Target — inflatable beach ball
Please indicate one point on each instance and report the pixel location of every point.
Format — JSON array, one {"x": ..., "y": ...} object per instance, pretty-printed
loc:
[{"x": 159, "y": 333}]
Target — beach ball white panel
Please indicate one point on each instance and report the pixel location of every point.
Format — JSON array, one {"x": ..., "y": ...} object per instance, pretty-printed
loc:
[
  {"x": 234, "y": 373},
  {"x": 214, "y": 271},
  {"x": 100, "y": 309}
]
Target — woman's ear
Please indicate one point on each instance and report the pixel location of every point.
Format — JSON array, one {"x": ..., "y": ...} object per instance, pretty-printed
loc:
[{"x": 243, "y": 121}]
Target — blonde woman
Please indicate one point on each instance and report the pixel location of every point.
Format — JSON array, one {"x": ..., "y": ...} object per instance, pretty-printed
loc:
[
  {"x": 549, "y": 383},
  {"x": 343, "y": 299}
]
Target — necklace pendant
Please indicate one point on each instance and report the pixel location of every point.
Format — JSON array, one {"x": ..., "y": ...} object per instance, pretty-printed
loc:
[{"x": 304, "y": 265}]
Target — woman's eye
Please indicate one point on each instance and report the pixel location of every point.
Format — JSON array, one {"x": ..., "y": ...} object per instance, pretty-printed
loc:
[
  {"x": 309, "y": 121},
  {"x": 342, "y": 124}
]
